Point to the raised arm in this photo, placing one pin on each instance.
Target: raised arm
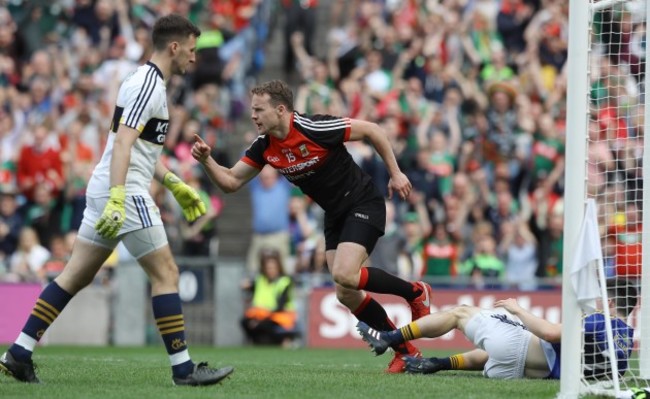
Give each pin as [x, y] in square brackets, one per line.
[398, 183]
[228, 180]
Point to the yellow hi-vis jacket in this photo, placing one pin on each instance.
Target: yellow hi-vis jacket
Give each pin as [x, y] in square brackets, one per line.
[266, 300]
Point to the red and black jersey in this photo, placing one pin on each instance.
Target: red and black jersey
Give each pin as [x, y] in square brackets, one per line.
[313, 157]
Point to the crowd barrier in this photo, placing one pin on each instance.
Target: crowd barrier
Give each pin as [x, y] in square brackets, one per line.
[120, 313]
[85, 321]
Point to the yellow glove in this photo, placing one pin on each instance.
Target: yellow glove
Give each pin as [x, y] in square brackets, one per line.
[186, 197]
[112, 219]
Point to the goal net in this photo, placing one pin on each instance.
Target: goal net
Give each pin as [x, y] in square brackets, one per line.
[605, 163]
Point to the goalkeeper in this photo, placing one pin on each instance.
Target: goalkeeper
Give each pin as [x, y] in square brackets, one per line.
[120, 208]
[523, 347]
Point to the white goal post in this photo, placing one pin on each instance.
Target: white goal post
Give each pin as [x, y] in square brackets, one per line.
[618, 204]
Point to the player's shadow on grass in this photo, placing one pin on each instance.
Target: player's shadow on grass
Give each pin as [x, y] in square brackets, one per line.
[449, 373]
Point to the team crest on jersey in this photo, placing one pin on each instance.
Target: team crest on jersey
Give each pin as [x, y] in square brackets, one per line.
[303, 150]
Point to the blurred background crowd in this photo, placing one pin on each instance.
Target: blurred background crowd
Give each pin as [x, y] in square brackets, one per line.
[470, 92]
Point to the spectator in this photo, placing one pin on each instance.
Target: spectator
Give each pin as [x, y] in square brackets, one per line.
[300, 17]
[420, 112]
[79, 107]
[271, 317]
[99, 19]
[78, 163]
[630, 156]
[465, 207]
[59, 255]
[553, 40]
[136, 38]
[209, 65]
[423, 180]
[504, 209]
[306, 242]
[38, 22]
[497, 69]
[505, 119]
[619, 37]
[12, 41]
[551, 244]
[233, 59]
[547, 151]
[26, 263]
[377, 80]
[209, 107]
[441, 162]
[440, 255]
[391, 246]
[484, 267]
[518, 247]
[317, 94]
[11, 223]
[40, 101]
[410, 264]
[270, 214]
[480, 37]
[345, 49]
[512, 20]
[114, 69]
[44, 214]
[11, 127]
[626, 236]
[183, 146]
[39, 164]
[416, 226]
[199, 236]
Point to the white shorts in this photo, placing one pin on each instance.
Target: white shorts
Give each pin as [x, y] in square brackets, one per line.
[142, 232]
[504, 339]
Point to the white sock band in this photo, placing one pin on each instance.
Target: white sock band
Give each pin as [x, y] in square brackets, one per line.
[26, 342]
[179, 358]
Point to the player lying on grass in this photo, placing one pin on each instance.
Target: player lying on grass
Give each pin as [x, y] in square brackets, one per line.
[507, 347]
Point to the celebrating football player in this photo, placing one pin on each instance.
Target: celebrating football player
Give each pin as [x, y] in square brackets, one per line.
[310, 152]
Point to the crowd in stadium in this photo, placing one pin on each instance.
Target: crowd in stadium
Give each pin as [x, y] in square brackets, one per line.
[470, 92]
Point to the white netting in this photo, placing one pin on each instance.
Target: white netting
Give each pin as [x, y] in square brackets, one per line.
[614, 177]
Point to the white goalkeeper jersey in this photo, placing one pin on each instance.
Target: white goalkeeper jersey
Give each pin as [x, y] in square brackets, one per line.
[142, 105]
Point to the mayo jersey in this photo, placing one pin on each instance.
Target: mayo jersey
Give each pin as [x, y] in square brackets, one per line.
[142, 105]
[314, 158]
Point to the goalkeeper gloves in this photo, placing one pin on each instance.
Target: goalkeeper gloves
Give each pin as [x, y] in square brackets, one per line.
[186, 197]
[112, 219]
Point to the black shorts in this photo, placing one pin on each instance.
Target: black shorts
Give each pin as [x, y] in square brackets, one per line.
[362, 224]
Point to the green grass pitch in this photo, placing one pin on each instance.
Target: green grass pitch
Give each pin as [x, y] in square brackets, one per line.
[107, 372]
